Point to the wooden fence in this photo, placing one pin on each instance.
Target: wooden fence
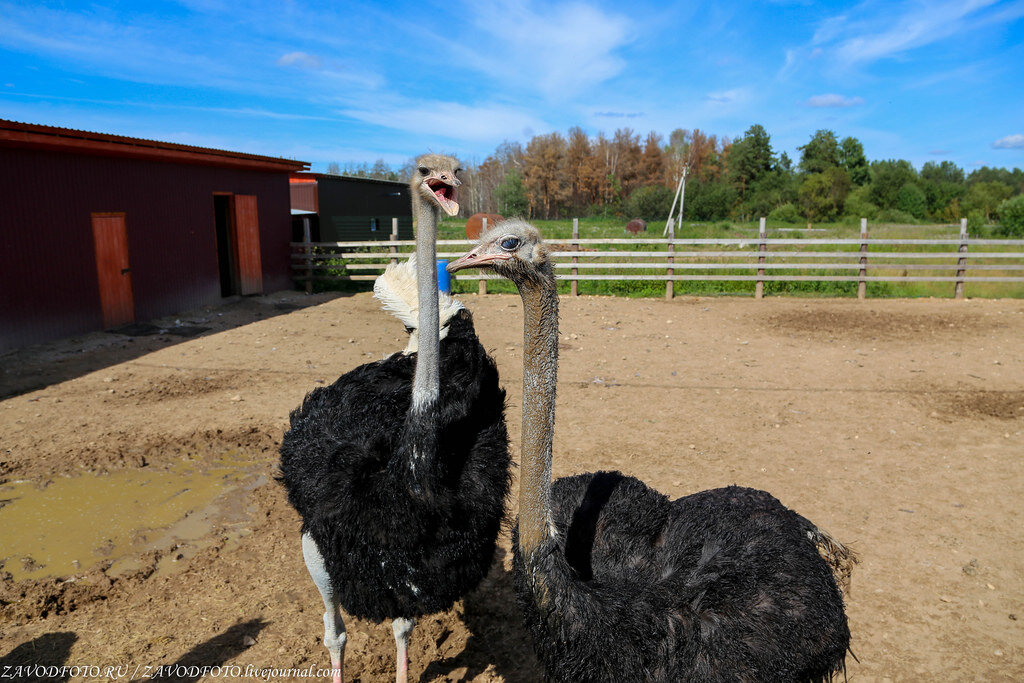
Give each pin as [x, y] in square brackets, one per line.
[759, 260]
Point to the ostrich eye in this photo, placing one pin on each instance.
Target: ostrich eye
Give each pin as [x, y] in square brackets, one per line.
[424, 170]
[510, 243]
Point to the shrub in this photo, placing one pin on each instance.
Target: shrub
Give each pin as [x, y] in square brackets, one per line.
[709, 201]
[651, 202]
[1011, 217]
[911, 199]
[975, 221]
[787, 213]
[822, 194]
[859, 205]
[895, 216]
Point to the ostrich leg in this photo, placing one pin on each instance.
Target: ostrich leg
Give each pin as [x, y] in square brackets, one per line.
[334, 625]
[402, 629]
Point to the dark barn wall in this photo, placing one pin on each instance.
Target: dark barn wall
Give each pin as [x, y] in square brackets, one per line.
[347, 205]
[48, 282]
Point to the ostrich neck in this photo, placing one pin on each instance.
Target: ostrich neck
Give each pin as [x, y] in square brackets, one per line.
[426, 382]
[540, 370]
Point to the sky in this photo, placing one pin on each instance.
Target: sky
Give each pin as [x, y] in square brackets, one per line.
[352, 82]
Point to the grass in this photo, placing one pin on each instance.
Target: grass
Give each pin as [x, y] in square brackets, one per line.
[604, 227]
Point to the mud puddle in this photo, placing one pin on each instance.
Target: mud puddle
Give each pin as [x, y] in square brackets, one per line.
[75, 523]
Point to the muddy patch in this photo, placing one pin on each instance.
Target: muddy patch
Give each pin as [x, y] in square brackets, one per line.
[1004, 405]
[74, 523]
[874, 325]
[178, 385]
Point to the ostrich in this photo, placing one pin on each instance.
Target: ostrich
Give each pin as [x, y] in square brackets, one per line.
[618, 583]
[399, 469]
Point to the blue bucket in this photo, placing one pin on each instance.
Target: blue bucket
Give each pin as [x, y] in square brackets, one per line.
[444, 279]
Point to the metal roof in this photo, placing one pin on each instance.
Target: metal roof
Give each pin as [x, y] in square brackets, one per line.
[36, 136]
[300, 177]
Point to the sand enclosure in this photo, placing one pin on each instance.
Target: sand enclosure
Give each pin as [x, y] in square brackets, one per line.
[897, 425]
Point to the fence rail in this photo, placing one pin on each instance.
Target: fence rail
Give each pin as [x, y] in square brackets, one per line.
[759, 260]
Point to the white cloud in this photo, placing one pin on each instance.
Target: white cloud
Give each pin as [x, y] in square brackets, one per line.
[452, 120]
[1009, 142]
[734, 96]
[834, 100]
[558, 50]
[872, 31]
[301, 60]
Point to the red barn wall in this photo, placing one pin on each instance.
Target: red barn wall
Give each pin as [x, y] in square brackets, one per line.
[48, 281]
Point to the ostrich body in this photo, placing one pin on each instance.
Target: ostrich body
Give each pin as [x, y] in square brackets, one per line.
[618, 583]
[399, 469]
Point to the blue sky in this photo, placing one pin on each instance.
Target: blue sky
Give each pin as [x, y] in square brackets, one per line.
[357, 81]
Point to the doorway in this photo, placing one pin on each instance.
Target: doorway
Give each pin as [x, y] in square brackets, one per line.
[225, 248]
[114, 274]
[238, 244]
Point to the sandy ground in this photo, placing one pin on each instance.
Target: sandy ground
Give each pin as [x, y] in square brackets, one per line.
[897, 425]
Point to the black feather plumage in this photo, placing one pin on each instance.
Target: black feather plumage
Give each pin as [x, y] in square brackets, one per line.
[721, 585]
[400, 540]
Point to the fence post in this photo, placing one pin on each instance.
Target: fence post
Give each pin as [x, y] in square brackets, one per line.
[961, 262]
[307, 238]
[573, 286]
[394, 238]
[670, 285]
[481, 287]
[862, 285]
[761, 246]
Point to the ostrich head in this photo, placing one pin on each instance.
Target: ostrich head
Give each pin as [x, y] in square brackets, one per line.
[435, 181]
[514, 249]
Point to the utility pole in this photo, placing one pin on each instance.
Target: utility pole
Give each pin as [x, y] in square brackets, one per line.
[679, 198]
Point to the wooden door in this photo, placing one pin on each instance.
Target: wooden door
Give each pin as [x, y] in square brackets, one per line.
[247, 244]
[110, 235]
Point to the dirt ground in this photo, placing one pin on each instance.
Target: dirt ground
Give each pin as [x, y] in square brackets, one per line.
[896, 425]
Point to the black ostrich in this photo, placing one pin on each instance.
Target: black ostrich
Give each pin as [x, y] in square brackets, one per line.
[617, 583]
[399, 469]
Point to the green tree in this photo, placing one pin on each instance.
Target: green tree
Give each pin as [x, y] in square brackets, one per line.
[944, 172]
[820, 154]
[785, 163]
[1011, 217]
[887, 178]
[822, 194]
[511, 196]
[985, 196]
[709, 200]
[1013, 179]
[749, 158]
[858, 204]
[911, 199]
[651, 202]
[851, 157]
[770, 190]
[943, 184]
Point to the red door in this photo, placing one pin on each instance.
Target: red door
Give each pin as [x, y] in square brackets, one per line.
[247, 243]
[110, 236]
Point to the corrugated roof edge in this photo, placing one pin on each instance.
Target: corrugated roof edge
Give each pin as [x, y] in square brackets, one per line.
[18, 134]
[338, 176]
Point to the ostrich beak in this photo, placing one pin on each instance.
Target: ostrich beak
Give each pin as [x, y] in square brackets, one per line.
[444, 192]
[477, 258]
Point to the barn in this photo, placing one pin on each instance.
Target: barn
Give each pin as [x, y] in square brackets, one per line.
[338, 208]
[98, 230]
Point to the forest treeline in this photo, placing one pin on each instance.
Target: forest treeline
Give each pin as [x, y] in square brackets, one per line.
[557, 176]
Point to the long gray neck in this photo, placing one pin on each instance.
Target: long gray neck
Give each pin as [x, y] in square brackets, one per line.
[426, 383]
[540, 374]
